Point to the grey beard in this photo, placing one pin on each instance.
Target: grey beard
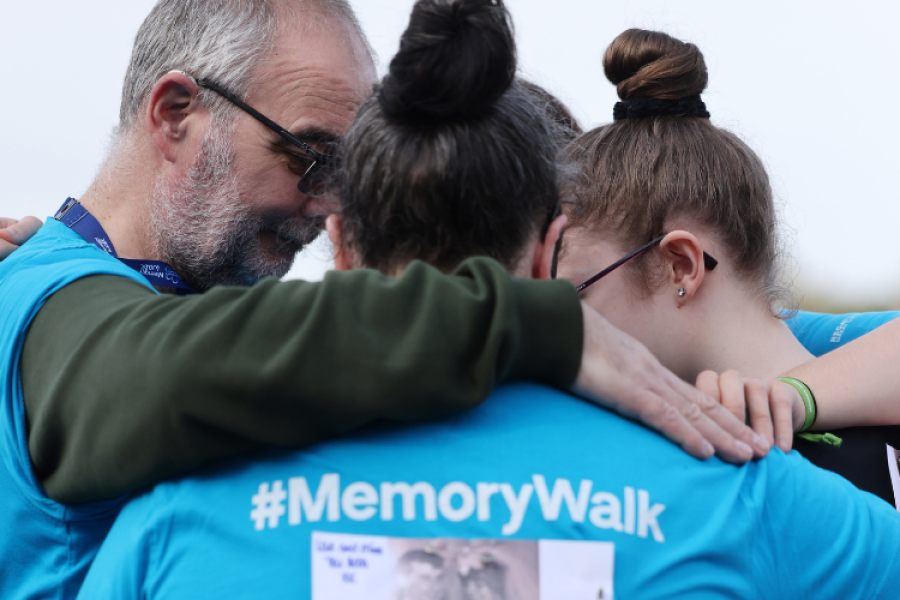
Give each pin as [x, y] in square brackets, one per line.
[210, 237]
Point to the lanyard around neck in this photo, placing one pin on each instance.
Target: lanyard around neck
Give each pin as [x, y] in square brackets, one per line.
[77, 218]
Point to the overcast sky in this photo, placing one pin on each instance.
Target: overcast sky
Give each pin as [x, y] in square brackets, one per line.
[811, 86]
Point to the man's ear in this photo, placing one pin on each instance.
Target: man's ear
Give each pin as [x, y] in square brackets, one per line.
[172, 110]
[546, 248]
[344, 257]
[683, 255]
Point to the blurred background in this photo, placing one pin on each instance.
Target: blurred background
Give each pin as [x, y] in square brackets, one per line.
[811, 86]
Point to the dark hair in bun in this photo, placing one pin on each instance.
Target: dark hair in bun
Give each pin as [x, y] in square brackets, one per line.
[651, 64]
[638, 174]
[456, 58]
[452, 158]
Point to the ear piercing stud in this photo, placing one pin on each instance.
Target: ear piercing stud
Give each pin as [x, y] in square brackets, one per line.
[682, 291]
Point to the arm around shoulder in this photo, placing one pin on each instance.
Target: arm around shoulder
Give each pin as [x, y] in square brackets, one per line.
[130, 387]
[856, 384]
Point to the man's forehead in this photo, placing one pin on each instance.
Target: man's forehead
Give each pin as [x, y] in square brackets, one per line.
[315, 77]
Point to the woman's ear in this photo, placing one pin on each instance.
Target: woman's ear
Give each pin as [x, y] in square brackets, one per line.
[171, 110]
[546, 248]
[683, 256]
[344, 257]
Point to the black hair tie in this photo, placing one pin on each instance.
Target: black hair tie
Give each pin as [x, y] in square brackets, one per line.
[689, 106]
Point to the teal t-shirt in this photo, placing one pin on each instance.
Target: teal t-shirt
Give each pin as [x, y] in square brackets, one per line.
[821, 333]
[534, 494]
[45, 547]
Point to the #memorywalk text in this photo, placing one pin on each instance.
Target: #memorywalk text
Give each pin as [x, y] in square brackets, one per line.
[630, 512]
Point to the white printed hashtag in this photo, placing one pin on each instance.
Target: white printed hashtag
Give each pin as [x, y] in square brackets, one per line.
[268, 506]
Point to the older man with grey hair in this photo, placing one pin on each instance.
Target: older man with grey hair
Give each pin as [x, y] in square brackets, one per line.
[108, 386]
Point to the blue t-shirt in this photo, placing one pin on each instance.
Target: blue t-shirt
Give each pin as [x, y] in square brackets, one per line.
[45, 547]
[533, 494]
[821, 333]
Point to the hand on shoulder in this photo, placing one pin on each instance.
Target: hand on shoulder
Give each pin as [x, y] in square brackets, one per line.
[618, 372]
[773, 408]
[14, 233]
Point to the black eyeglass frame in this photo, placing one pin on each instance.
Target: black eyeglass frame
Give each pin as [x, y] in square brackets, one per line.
[325, 162]
[709, 262]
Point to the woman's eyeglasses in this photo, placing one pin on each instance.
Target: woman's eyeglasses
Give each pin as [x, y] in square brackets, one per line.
[708, 261]
[317, 168]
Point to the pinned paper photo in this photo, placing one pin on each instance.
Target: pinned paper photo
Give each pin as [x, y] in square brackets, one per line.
[354, 567]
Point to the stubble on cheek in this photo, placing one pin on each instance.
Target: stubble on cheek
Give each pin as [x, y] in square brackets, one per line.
[207, 231]
[277, 243]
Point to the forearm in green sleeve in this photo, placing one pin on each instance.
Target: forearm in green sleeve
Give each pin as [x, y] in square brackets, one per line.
[123, 387]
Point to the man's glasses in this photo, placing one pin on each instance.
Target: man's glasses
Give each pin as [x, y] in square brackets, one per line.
[317, 168]
[708, 261]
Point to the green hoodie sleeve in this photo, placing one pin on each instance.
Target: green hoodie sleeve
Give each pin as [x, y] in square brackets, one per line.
[124, 387]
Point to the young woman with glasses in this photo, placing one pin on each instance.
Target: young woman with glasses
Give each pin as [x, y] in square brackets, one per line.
[682, 212]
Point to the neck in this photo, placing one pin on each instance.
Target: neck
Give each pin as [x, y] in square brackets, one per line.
[119, 199]
[757, 347]
[741, 333]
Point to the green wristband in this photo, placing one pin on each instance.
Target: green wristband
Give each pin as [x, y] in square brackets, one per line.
[809, 401]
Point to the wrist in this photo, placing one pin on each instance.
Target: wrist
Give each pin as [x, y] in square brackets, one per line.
[804, 412]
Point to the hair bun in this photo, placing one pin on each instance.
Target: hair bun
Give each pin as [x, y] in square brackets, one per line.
[652, 64]
[456, 58]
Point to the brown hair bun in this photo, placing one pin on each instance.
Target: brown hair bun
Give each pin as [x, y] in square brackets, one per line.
[652, 64]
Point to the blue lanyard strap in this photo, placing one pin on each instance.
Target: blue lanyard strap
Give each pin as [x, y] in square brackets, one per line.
[77, 218]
